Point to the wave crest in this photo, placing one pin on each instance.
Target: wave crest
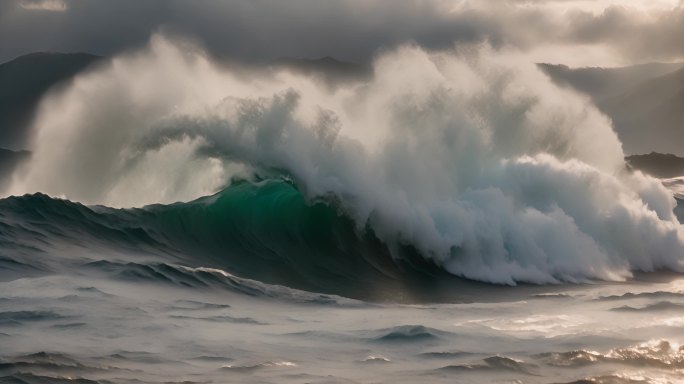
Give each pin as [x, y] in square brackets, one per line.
[474, 158]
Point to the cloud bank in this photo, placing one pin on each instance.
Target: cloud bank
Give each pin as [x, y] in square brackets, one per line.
[571, 32]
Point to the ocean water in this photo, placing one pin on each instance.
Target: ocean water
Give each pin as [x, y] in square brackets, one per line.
[457, 217]
[94, 294]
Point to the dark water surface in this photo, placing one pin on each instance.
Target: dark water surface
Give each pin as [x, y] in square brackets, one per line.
[255, 285]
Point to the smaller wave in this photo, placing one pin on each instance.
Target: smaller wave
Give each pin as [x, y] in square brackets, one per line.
[29, 378]
[197, 305]
[223, 319]
[27, 368]
[409, 333]
[575, 358]
[655, 307]
[201, 277]
[324, 335]
[611, 379]
[68, 326]
[10, 266]
[253, 367]
[554, 296]
[679, 208]
[93, 291]
[212, 359]
[658, 353]
[372, 359]
[39, 221]
[20, 317]
[495, 363]
[444, 355]
[643, 295]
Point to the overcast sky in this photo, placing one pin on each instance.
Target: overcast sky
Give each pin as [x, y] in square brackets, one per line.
[574, 32]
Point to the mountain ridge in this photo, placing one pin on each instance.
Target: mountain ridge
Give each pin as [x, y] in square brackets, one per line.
[661, 165]
[602, 82]
[24, 80]
[646, 108]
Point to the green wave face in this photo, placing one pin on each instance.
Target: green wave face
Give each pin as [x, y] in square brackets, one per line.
[268, 231]
[265, 231]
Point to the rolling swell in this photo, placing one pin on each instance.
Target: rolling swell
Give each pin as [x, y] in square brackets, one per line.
[264, 231]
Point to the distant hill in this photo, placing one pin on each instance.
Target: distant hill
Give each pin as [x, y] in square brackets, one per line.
[650, 115]
[328, 68]
[645, 102]
[23, 81]
[600, 83]
[657, 164]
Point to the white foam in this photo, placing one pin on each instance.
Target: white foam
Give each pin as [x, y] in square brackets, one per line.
[474, 157]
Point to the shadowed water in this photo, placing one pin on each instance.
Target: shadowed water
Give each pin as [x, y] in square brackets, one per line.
[81, 303]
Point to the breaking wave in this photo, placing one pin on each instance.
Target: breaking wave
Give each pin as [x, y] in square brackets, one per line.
[471, 162]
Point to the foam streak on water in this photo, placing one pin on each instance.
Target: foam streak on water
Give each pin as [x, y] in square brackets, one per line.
[64, 327]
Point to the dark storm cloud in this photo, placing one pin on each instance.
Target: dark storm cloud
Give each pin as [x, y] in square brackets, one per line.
[347, 29]
[100, 27]
[254, 29]
[656, 35]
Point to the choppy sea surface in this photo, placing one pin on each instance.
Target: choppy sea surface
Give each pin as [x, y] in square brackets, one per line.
[213, 291]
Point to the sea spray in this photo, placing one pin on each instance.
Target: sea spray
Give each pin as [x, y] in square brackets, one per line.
[473, 157]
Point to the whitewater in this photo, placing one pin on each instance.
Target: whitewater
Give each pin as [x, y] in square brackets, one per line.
[455, 217]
